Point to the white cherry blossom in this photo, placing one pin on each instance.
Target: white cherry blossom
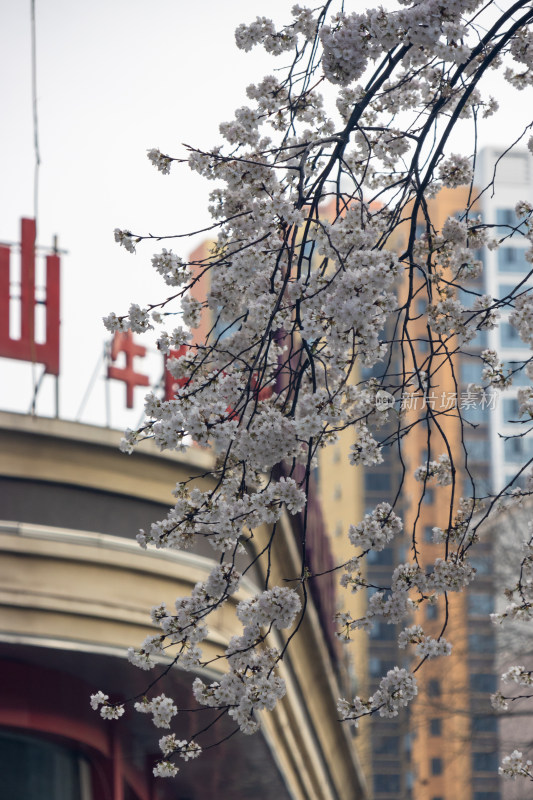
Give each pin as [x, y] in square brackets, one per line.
[324, 246]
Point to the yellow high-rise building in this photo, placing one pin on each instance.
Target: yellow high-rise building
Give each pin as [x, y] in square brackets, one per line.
[444, 747]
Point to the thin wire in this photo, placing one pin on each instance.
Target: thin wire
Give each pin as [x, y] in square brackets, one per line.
[102, 358]
[35, 117]
[36, 384]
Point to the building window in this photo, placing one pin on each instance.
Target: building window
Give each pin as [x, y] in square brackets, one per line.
[308, 248]
[223, 328]
[467, 297]
[480, 603]
[382, 632]
[435, 726]
[386, 745]
[519, 376]
[471, 371]
[485, 724]
[482, 483]
[509, 336]
[480, 339]
[487, 796]
[377, 481]
[475, 413]
[510, 408]
[35, 769]
[506, 289]
[428, 533]
[421, 306]
[481, 643]
[477, 446]
[432, 611]
[429, 495]
[387, 784]
[482, 565]
[436, 766]
[506, 218]
[518, 449]
[483, 682]
[381, 558]
[434, 688]
[513, 259]
[485, 762]
[518, 481]
[377, 666]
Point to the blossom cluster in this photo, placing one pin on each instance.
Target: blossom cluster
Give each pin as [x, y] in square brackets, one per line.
[441, 470]
[174, 271]
[396, 689]
[522, 317]
[251, 684]
[516, 765]
[108, 710]
[162, 709]
[216, 516]
[521, 594]
[159, 160]
[377, 529]
[426, 646]
[493, 371]
[187, 627]
[305, 295]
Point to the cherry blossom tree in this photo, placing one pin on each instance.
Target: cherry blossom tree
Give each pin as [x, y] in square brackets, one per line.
[323, 241]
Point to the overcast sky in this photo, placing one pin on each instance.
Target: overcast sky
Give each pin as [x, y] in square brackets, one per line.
[114, 78]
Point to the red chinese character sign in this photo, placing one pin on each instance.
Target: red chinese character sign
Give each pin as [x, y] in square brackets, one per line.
[123, 343]
[26, 348]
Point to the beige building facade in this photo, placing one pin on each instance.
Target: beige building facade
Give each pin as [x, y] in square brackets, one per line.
[76, 592]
